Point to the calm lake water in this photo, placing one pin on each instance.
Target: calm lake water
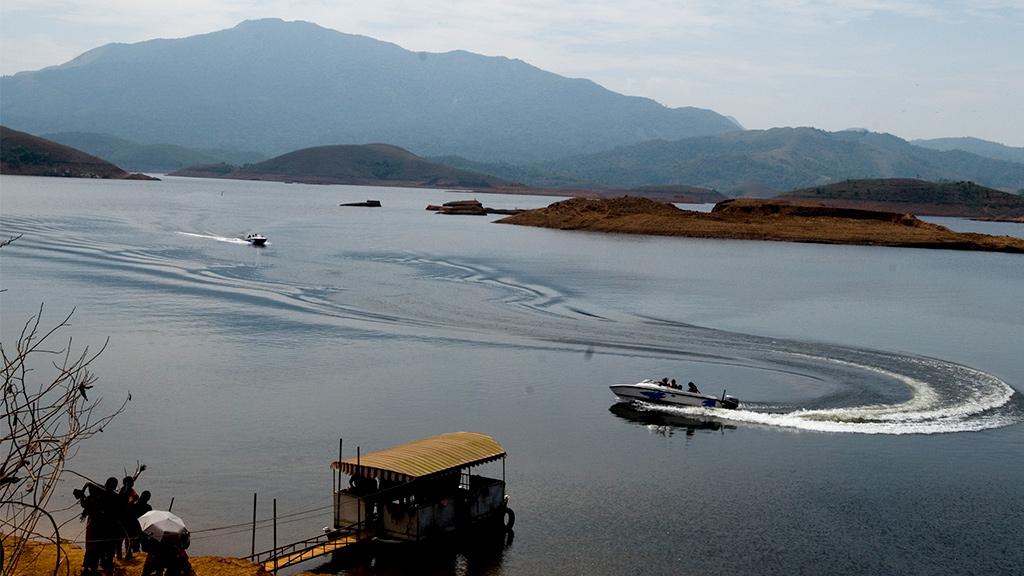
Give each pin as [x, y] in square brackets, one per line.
[880, 431]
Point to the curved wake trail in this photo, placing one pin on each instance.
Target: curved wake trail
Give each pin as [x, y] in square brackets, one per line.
[945, 397]
[879, 392]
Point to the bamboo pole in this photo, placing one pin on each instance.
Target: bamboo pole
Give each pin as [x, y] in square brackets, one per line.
[254, 524]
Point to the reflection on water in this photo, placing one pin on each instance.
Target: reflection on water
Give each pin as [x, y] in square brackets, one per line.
[667, 423]
[466, 553]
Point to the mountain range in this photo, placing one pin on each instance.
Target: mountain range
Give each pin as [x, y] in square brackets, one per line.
[273, 86]
[761, 163]
[906, 195]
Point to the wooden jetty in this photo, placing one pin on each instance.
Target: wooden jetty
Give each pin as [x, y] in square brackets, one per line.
[316, 550]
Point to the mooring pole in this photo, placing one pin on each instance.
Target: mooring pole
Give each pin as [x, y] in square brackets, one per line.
[339, 463]
[253, 523]
[275, 536]
[359, 498]
[172, 504]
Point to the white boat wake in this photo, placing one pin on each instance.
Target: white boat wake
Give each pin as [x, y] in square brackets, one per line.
[227, 239]
[973, 401]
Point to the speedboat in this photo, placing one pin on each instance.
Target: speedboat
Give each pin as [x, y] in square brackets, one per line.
[657, 392]
[256, 239]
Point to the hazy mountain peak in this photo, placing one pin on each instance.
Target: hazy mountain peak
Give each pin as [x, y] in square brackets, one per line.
[275, 86]
[259, 22]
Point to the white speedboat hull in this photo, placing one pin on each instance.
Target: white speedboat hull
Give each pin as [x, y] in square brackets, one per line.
[651, 391]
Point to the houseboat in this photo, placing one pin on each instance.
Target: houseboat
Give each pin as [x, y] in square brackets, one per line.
[422, 489]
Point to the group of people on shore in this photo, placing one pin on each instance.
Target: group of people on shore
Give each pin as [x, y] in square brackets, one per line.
[690, 387]
[112, 522]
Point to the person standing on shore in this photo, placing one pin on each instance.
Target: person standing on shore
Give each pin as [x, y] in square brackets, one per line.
[138, 508]
[126, 500]
[100, 507]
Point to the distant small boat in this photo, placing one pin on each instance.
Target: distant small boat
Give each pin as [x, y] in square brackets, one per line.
[256, 239]
[367, 204]
[654, 391]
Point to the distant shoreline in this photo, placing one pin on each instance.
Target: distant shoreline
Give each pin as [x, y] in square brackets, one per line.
[316, 180]
[679, 198]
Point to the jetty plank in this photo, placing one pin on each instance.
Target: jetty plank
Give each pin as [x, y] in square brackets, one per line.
[312, 552]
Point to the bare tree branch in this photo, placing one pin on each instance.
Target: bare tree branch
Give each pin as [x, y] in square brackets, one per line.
[47, 410]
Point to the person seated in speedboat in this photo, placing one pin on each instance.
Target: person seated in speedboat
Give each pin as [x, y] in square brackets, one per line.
[664, 382]
[691, 387]
[674, 385]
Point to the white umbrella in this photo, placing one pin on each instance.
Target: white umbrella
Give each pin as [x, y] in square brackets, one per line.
[162, 526]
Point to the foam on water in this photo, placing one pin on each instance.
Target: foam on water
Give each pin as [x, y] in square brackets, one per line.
[955, 398]
[227, 239]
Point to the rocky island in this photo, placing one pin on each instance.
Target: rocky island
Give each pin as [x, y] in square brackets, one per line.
[748, 219]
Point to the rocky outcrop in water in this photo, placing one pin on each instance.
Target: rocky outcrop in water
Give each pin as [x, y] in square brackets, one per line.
[470, 208]
[748, 219]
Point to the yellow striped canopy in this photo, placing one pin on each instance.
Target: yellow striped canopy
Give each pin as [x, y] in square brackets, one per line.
[407, 462]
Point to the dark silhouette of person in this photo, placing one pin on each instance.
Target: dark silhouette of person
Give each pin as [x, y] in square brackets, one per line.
[155, 551]
[137, 509]
[127, 523]
[167, 557]
[100, 510]
[693, 388]
[110, 525]
[131, 523]
[89, 498]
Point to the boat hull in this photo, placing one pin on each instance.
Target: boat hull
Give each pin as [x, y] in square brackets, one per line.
[658, 394]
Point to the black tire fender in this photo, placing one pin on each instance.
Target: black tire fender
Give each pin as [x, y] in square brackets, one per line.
[509, 518]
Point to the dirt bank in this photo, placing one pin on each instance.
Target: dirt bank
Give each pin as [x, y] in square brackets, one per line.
[39, 559]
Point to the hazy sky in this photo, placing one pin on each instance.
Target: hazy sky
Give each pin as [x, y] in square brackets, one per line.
[915, 68]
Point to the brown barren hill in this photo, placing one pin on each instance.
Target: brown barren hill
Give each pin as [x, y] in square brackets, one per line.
[364, 164]
[748, 219]
[23, 154]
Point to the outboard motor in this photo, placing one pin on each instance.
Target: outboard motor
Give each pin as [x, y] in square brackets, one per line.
[730, 402]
